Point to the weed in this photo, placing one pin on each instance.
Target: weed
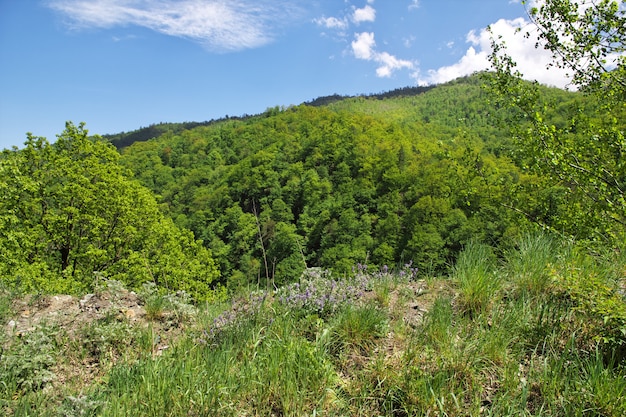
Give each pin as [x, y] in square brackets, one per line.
[528, 264]
[26, 365]
[291, 375]
[107, 339]
[5, 303]
[80, 406]
[173, 308]
[153, 302]
[437, 328]
[322, 295]
[537, 344]
[356, 329]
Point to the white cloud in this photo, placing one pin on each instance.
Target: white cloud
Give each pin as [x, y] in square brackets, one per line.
[408, 42]
[531, 61]
[390, 63]
[331, 22]
[225, 25]
[366, 14]
[415, 4]
[364, 47]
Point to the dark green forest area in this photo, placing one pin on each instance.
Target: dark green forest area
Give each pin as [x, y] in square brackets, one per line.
[362, 180]
[385, 180]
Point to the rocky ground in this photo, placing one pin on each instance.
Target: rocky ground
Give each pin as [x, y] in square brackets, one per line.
[85, 326]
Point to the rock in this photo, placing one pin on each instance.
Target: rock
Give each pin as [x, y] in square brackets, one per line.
[83, 301]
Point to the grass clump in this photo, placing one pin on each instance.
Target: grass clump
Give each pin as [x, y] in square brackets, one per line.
[356, 330]
[478, 280]
[175, 307]
[528, 265]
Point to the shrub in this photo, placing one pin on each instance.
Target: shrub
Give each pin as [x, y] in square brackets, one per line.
[597, 299]
[26, 366]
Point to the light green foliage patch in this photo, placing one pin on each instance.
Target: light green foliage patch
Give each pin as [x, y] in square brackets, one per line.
[27, 365]
[69, 213]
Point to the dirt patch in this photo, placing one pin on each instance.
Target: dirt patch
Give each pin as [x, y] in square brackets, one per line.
[72, 313]
[92, 333]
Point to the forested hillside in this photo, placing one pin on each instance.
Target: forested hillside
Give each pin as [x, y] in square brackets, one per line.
[388, 179]
[373, 180]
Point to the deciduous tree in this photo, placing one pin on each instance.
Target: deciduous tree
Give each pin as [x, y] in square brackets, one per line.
[68, 209]
[586, 152]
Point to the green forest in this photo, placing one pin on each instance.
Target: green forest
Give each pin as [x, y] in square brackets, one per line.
[501, 199]
[363, 180]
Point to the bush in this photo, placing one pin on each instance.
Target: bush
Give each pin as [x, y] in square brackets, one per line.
[26, 366]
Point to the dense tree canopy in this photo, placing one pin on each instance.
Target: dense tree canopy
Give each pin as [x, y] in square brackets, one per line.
[376, 180]
[361, 180]
[70, 213]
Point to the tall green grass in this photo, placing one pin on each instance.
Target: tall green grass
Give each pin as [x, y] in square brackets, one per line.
[477, 277]
[528, 265]
[521, 335]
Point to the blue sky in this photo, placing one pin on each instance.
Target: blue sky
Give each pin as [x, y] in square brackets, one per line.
[122, 64]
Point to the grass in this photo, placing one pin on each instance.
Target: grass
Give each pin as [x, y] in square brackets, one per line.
[509, 336]
[527, 266]
[477, 278]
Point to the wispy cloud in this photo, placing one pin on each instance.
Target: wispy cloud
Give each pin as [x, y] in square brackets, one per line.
[331, 22]
[415, 4]
[222, 25]
[364, 47]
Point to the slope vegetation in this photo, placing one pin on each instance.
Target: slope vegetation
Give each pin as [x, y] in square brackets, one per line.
[364, 179]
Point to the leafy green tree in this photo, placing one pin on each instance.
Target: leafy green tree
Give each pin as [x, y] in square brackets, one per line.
[584, 148]
[68, 210]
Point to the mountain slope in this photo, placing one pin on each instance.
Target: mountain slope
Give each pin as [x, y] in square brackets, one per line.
[362, 179]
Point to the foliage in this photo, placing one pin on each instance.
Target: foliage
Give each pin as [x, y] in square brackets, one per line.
[377, 180]
[68, 211]
[597, 297]
[582, 148]
[26, 366]
[587, 39]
